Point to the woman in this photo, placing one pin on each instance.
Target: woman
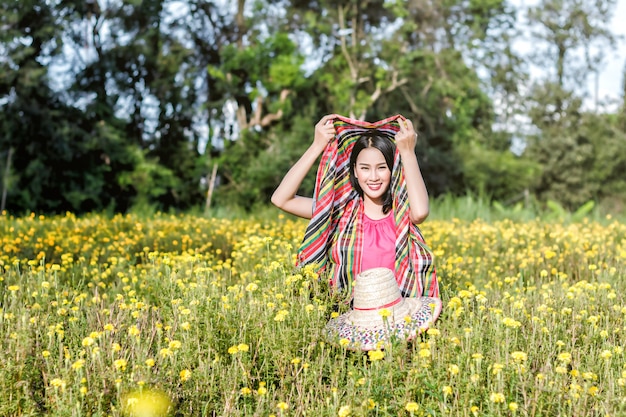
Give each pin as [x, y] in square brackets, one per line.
[363, 223]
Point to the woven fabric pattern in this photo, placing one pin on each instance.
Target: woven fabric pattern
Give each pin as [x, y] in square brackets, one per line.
[333, 240]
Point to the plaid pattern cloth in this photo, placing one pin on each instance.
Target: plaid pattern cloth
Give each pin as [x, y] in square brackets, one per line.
[333, 240]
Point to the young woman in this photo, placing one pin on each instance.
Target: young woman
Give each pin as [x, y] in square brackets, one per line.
[371, 163]
[354, 227]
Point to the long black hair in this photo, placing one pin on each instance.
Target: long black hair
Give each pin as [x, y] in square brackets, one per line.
[373, 140]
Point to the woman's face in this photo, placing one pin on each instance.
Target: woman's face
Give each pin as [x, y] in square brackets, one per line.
[372, 174]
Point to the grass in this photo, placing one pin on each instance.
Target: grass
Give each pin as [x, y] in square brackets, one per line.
[185, 315]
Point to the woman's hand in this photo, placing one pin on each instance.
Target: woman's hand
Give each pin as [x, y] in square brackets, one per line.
[324, 131]
[406, 138]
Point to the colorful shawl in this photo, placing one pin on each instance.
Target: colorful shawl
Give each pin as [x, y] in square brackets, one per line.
[333, 240]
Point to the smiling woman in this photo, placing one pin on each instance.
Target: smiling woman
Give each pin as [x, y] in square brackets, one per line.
[369, 198]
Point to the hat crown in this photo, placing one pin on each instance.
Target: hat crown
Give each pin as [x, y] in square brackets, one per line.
[374, 289]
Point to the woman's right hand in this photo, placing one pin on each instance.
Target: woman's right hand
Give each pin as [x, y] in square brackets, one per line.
[324, 131]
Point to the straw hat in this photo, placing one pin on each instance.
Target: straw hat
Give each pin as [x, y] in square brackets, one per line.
[365, 327]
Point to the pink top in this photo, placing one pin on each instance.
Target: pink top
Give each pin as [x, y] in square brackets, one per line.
[379, 243]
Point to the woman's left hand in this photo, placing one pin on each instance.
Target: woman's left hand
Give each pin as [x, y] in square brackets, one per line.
[406, 137]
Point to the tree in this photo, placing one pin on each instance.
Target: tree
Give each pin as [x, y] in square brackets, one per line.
[570, 29]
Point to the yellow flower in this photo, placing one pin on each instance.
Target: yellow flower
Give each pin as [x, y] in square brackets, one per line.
[513, 407]
[149, 362]
[375, 355]
[45, 353]
[606, 354]
[120, 364]
[262, 390]
[512, 323]
[78, 364]
[344, 342]
[344, 411]
[280, 316]
[496, 368]
[447, 390]
[497, 397]
[384, 312]
[411, 407]
[565, 357]
[88, 341]
[424, 353]
[245, 391]
[165, 352]
[519, 356]
[433, 332]
[13, 288]
[175, 344]
[133, 331]
[57, 383]
[453, 369]
[233, 349]
[282, 406]
[185, 374]
[243, 347]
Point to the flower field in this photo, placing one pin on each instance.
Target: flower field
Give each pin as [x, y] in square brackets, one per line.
[183, 315]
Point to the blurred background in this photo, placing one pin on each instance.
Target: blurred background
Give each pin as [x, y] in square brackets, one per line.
[113, 106]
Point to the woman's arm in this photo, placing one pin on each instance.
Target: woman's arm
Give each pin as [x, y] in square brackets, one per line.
[416, 189]
[284, 196]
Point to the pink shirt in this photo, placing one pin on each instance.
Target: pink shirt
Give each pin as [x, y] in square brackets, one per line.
[379, 243]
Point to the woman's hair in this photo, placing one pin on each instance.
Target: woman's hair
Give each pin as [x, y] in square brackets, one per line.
[373, 140]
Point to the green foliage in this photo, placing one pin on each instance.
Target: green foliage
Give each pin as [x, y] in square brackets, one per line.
[112, 107]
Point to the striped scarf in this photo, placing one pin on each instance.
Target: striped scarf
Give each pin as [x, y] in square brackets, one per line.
[333, 240]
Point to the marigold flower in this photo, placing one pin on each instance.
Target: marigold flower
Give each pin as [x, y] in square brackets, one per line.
[185, 374]
[497, 397]
[78, 364]
[88, 341]
[565, 357]
[453, 369]
[376, 355]
[433, 332]
[120, 364]
[411, 407]
[57, 383]
[344, 411]
[606, 354]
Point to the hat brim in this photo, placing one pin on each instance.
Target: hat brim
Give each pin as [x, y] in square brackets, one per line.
[366, 330]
